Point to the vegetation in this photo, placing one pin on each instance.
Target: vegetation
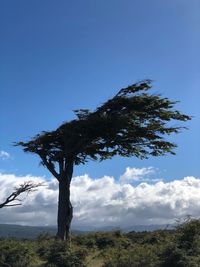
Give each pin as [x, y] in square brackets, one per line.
[162, 248]
[132, 123]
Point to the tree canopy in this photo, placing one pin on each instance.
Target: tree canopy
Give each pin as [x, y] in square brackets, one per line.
[132, 123]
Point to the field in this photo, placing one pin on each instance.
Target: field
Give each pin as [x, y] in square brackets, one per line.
[163, 248]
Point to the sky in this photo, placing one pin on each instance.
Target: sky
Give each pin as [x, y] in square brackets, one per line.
[58, 56]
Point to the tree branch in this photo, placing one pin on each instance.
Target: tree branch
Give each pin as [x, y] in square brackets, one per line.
[26, 187]
[50, 167]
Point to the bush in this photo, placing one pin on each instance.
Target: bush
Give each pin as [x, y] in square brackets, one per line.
[185, 250]
[164, 248]
[16, 254]
[136, 256]
[43, 245]
[60, 255]
[105, 241]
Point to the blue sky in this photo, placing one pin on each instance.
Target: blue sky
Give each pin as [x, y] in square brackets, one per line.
[57, 56]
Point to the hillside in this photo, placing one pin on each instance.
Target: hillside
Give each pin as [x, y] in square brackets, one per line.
[20, 232]
[31, 232]
[28, 232]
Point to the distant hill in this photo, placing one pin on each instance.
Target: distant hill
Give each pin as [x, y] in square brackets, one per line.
[21, 232]
[31, 232]
[138, 228]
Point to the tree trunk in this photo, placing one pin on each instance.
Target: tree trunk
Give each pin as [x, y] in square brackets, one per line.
[65, 209]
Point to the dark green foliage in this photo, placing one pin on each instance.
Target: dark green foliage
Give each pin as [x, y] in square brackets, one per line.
[87, 241]
[60, 255]
[188, 236]
[105, 241]
[133, 123]
[154, 237]
[135, 256]
[102, 240]
[185, 249]
[16, 254]
[43, 244]
[164, 248]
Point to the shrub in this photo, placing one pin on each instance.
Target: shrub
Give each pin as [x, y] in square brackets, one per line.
[61, 255]
[16, 254]
[184, 251]
[137, 256]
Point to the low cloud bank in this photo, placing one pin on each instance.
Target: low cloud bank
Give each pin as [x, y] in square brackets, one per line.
[105, 201]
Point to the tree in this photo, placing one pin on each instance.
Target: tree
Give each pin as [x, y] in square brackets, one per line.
[26, 187]
[132, 123]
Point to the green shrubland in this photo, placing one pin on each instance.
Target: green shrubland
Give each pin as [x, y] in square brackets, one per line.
[163, 248]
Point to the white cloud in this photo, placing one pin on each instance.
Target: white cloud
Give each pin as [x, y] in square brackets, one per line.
[138, 174]
[105, 202]
[4, 155]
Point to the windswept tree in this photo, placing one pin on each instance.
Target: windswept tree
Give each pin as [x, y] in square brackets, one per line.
[132, 123]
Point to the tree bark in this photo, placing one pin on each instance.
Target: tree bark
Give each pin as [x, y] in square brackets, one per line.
[65, 209]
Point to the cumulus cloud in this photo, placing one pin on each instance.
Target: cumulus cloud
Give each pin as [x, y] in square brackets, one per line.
[138, 174]
[105, 202]
[4, 155]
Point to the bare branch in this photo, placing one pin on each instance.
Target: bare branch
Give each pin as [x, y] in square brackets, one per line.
[26, 187]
